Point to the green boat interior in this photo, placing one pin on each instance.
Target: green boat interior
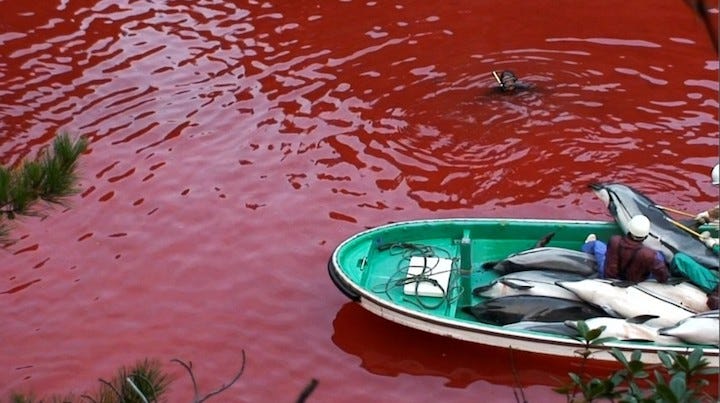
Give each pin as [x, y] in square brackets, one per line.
[437, 275]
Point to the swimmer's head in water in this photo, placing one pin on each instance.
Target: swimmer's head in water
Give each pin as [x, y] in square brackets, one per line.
[507, 80]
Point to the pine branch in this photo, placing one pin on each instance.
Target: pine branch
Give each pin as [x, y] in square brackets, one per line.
[51, 178]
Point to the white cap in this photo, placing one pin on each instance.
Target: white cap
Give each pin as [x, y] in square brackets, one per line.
[639, 226]
[715, 175]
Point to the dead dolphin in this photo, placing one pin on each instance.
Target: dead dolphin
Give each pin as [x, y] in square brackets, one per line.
[678, 290]
[628, 329]
[556, 328]
[624, 300]
[505, 310]
[624, 202]
[702, 328]
[547, 258]
[530, 282]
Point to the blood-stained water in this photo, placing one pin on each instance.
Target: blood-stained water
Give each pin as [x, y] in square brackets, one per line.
[234, 144]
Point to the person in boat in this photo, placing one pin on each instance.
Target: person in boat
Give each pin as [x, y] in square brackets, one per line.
[703, 277]
[626, 257]
[598, 249]
[685, 266]
[712, 214]
[707, 280]
[508, 82]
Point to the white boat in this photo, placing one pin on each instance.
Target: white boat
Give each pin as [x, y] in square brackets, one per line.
[422, 274]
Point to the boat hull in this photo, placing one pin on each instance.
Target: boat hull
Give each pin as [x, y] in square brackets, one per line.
[370, 268]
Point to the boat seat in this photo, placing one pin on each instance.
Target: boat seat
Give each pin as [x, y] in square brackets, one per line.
[428, 276]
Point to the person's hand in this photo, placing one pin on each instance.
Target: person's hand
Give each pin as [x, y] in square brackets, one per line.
[703, 218]
[712, 301]
[708, 240]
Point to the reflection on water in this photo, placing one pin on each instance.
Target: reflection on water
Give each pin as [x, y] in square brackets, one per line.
[389, 349]
[231, 137]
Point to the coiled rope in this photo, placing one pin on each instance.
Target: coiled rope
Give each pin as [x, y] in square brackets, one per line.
[400, 277]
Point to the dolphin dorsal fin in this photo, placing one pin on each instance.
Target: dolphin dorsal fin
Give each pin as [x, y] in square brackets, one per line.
[515, 284]
[675, 280]
[641, 318]
[489, 265]
[479, 290]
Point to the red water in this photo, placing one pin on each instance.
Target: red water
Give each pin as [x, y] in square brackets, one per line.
[235, 144]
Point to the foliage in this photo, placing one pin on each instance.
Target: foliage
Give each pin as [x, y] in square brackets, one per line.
[678, 379]
[51, 178]
[143, 383]
[146, 383]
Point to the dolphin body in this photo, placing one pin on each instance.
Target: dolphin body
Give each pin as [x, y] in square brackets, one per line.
[619, 299]
[628, 329]
[505, 310]
[632, 329]
[624, 202]
[547, 258]
[678, 290]
[698, 329]
[530, 282]
[556, 328]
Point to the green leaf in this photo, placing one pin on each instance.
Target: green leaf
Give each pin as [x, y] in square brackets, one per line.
[659, 378]
[678, 384]
[594, 333]
[666, 358]
[603, 340]
[636, 366]
[582, 329]
[695, 358]
[575, 378]
[664, 394]
[597, 388]
[619, 356]
[618, 377]
[635, 390]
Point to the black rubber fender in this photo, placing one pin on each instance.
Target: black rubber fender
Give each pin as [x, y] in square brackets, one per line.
[340, 284]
